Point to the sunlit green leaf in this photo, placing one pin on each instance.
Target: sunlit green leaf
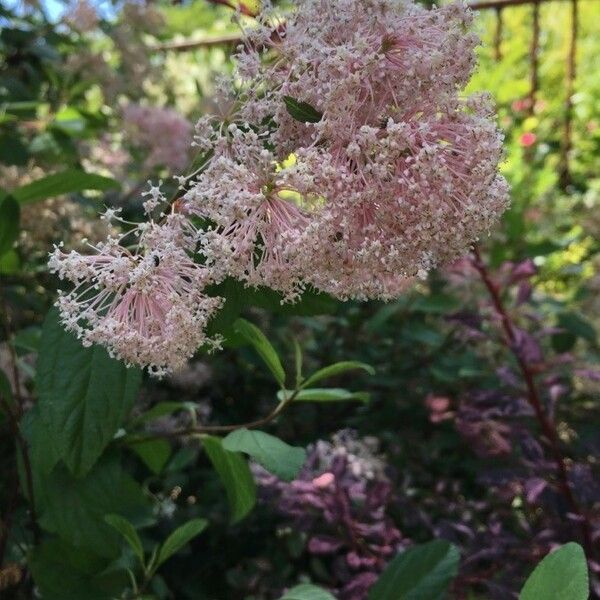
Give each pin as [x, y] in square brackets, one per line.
[254, 336]
[65, 182]
[324, 395]
[562, 574]
[307, 591]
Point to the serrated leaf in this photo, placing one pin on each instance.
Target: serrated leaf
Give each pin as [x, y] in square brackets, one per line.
[337, 369]
[325, 395]
[65, 572]
[42, 451]
[422, 572]
[235, 476]
[74, 508]
[9, 223]
[302, 111]
[307, 591]
[84, 395]
[127, 530]
[65, 182]
[179, 538]
[273, 454]
[561, 574]
[254, 336]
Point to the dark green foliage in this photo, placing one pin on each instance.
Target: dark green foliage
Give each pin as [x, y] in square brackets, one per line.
[84, 395]
[420, 573]
[302, 111]
[270, 452]
[235, 476]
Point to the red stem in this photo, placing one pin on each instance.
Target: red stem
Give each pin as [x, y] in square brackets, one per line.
[535, 401]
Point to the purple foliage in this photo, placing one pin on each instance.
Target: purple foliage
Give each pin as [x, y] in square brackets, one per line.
[526, 498]
[339, 501]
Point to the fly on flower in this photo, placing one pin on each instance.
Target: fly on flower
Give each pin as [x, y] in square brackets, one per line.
[146, 304]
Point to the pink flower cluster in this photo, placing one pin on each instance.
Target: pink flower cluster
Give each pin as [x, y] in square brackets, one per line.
[163, 132]
[348, 160]
[392, 172]
[140, 295]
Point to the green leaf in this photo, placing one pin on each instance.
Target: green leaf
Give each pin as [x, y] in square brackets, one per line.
[127, 530]
[28, 339]
[9, 263]
[423, 334]
[235, 475]
[436, 304]
[179, 538]
[74, 508]
[273, 454]
[165, 408]
[253, 335]
[66, 182]
[84, 395]
[155, 454]
[65, 572]
[325, 395]
[298, 361]
[562, 574]
[9, 223]
[422, 572]
[337, 369]
[239, 296]
[307, 591]
[302, 111]
[577, 325]
[42, 449]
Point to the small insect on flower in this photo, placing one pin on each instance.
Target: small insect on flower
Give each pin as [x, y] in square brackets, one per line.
[147, 306]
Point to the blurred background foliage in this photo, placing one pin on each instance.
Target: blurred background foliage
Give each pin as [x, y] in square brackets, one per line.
[94, 102]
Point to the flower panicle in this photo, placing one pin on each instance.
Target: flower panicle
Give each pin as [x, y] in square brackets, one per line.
[346, 159]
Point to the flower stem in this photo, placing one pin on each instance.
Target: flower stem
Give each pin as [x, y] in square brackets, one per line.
[533, 397]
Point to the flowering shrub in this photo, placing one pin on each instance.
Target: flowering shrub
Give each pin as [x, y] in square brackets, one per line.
[369, 380]
[338, 504]
[417, 178]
